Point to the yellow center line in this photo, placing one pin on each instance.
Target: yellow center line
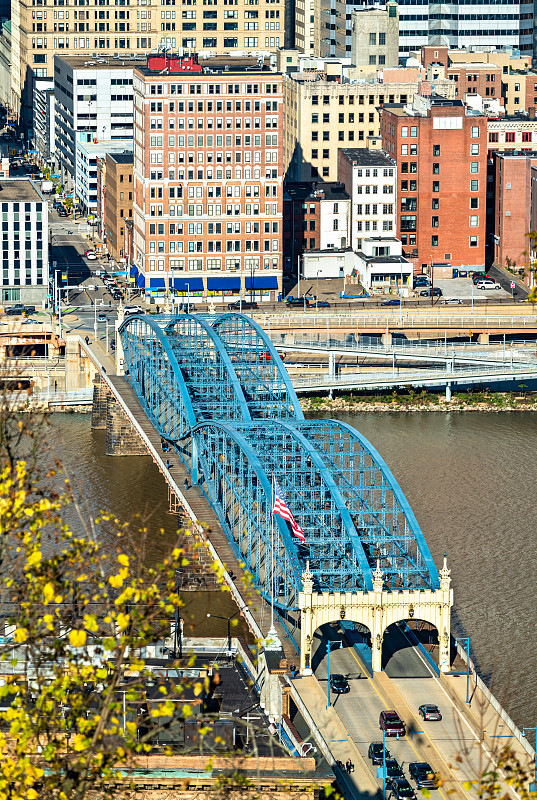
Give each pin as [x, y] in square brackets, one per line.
[406, 737]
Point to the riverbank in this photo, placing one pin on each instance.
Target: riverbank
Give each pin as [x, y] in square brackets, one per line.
[492, 402]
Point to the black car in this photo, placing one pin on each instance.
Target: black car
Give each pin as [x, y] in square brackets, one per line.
[376, 754]
[321, 304]
[339, 684]
[423, 774]
[393, 771]
[246, 305]
[394, 302]
[400, 789]
[431, 291]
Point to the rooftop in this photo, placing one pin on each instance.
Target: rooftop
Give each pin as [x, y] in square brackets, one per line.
[227, 65]
[121, 158]
[19, 189]
[101, 146]
[316, 191]
[367, 158]
[103, 62]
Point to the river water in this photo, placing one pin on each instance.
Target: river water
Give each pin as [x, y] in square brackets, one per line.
[470, 479]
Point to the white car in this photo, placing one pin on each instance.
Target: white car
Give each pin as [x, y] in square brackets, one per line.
[133, 310]
[487, 285]
[91, 256]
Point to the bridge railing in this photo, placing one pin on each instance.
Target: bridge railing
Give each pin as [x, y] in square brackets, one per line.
[394, 321]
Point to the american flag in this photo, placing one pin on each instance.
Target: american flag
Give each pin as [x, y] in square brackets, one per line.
[282, 509]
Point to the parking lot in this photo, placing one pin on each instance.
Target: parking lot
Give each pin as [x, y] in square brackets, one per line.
[463, 289]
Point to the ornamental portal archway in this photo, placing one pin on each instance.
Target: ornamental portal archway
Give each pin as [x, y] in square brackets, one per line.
[376, 610]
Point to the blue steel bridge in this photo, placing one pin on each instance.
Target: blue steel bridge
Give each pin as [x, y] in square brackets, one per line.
[216, 389]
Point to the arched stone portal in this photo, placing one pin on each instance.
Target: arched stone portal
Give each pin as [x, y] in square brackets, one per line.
[377, 610]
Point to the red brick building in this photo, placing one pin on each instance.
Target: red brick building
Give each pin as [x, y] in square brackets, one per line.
[208, 180]
[512, 207]
[441, 156]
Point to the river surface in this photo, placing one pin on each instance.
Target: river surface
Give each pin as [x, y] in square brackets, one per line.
[470, 479]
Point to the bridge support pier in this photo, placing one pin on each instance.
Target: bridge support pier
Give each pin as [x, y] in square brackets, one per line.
[448, 392]
[331, 365]
[98, 408]
[386, 339]
[483, 338]
[121, 438]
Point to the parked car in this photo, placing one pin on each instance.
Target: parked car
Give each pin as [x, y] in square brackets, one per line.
[133, 310]
[487, 284]
[321, 304]
[431, 291]
[421, 280]
[430, 712]
[479, 276]
[101, 317]
[246, 305]
[292, 302]
[423, 774]
[62, 212]
[91, 255]
[339, 684]
[376, 753]
[395, 302]
[452, 301]
[400, 789]
[390, 722]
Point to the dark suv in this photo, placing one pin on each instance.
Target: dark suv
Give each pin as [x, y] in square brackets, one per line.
[434, 292]
[423, 774]
[390, 722]
[249, 305]
[297, 301]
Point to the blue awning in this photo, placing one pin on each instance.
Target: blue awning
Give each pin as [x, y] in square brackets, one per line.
[223, 284]
[188, 284]
[156, 283]
[263, 282]
[140, 281]
[133, 271]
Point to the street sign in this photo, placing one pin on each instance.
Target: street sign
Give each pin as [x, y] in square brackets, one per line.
[513, 285]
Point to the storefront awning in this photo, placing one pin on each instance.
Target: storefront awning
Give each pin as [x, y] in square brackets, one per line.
[156, 283]
[133, 271]
[140, 281]
[263, 282]
[188, 284]
[223, 284]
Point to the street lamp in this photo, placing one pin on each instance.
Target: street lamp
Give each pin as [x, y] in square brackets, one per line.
[329, 645]
[465, 641]
[228, 620]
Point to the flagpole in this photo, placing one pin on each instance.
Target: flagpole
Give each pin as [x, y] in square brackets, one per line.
[272, 558]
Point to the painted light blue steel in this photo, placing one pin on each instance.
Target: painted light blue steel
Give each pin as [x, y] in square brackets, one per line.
[237, 388]
[339, 488]
[228, 323]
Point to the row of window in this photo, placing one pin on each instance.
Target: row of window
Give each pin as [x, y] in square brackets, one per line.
[368, 209]
[231, 264]
[373, 99]
[231, 246]
[231, 209]
[367, 225]
[494, 136]
[341, 118]
[210, 106]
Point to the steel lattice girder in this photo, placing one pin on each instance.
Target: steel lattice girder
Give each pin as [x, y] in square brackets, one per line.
[340, 490]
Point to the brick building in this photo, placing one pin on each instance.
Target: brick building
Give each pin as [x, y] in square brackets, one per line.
[208, 180]
[511, 132]
[441, 172]
[512, 206]
[315, 217]
[119, 198]
[482, 79]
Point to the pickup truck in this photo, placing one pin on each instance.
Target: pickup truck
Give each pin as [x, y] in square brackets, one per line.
[18, 308]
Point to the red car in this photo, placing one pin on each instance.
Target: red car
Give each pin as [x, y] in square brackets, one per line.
[390, 722]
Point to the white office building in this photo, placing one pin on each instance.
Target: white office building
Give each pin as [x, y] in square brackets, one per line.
[93, 96]
[43, 117]
[24, 242]
[86, 155]
[370, 177]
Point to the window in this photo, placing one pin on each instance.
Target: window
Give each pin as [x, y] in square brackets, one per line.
[475, 150]
[413, 131]
[436, 149]
[475, 132]
[436, 186]
[404, 149]
[526, 136]
[382, 39]
[474, 186]
[404, 131]
[434, 241]
[435, 205]
[474, 166]
[434, 222]
[474, 222]
[473, 241]
[372, 38]
[436, 168]
[474, 202]
[493, 136]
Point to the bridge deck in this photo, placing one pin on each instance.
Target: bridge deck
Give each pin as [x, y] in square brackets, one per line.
[200, 510]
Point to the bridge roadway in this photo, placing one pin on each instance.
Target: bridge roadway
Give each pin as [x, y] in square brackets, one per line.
[346, 729]
[460, 747]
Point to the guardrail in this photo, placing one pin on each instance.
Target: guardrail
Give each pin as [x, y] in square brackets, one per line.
[75, 397]
[391, 322]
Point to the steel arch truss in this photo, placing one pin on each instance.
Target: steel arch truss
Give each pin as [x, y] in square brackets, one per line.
[210, 383]
[385, 522]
